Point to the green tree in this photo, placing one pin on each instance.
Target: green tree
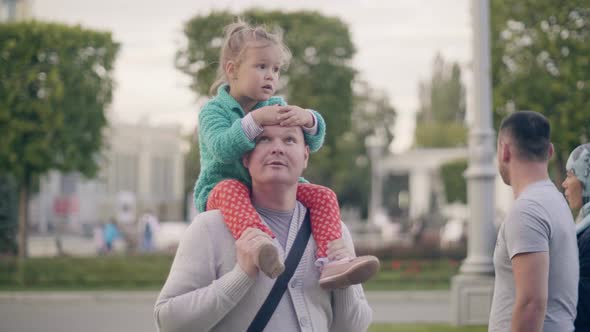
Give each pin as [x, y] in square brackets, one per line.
[540, 62]
[55, 82]
[441, 114]
[454, 181]
[192, 166]
[372, 115]
[319, 77]
[440, 122]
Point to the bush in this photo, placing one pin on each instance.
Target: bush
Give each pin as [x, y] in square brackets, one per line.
[113, 272]
[454, 182]
[412, 274]
[149, 272]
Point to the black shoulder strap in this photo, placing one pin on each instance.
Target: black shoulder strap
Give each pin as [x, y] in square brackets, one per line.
[277, 291]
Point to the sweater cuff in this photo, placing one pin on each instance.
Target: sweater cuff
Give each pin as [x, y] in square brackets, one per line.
[349, 297]
[250, 127]
[235, 283]
[313, 130]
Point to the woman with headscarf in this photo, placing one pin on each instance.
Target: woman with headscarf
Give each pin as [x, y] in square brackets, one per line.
[577, 193]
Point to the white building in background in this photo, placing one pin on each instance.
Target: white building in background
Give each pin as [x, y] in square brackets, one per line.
[425, 189]
[413, 186]
[140, 160]
[15, 10]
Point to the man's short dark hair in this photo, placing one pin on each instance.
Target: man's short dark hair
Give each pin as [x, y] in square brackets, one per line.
[531, 133]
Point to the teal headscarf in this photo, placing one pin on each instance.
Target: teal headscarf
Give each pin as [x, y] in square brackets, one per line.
[579, 163]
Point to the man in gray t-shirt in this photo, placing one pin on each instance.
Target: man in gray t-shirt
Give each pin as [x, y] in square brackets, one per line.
[536, 256]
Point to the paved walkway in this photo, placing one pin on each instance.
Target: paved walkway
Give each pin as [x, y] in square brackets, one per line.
[410, 306]
[133, 311]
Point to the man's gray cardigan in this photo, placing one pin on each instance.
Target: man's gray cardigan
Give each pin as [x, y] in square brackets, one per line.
[206, 289]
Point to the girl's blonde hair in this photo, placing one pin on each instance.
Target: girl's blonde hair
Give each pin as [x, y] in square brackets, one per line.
[237, 37]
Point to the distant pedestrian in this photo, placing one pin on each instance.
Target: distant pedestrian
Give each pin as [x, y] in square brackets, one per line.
[577, 193]
[98, 236]
[148, 227]
[536, 257]
[126, 218]
[111, 233]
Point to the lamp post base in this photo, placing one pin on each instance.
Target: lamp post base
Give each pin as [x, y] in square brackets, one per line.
[471, 299]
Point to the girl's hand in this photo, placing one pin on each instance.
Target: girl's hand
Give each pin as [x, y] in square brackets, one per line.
[268, 115]
[295, 116]
[338, 249]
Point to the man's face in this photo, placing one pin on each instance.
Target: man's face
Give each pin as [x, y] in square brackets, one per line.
[280, 156]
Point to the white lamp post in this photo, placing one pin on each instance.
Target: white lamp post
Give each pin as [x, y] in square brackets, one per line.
[472, 289]
[375, 144]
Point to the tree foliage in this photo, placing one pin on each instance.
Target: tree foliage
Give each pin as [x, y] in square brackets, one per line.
[440, 120]
[372, 116]
[55, 83]
[540, 62]
[192, 165]
[319, 77]
[454, 181]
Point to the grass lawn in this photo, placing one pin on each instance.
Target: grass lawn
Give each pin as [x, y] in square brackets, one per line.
[148, 272]
[414, 274]
[117, 272]
[424, 328]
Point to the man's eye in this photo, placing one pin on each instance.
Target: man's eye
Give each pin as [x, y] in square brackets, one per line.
[290, 140]
[262, 66]
[263, 139]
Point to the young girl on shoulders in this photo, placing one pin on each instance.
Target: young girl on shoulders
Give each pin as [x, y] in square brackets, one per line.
[250, 63]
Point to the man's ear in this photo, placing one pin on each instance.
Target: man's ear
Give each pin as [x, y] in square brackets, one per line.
[306, 156]
[246, 160]
[506, 153]
[551, 151]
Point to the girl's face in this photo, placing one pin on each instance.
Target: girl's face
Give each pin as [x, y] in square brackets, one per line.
[573, 190]
[256, 77]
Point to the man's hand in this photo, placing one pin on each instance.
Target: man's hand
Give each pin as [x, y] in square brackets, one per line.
[246, 247]
[268, 115]
[338, 249]
[295, 116]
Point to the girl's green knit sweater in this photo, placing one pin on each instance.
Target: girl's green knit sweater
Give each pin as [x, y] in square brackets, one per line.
[222, 142]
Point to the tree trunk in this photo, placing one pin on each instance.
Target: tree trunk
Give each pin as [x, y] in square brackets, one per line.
[23, 199]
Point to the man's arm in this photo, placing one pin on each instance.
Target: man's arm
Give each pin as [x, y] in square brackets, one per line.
[531, 278]
[350, 307]
[193, 298]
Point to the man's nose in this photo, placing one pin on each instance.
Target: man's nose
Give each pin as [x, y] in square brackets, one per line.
[277, 148]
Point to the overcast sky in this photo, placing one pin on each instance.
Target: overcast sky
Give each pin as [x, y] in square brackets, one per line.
[396, 42]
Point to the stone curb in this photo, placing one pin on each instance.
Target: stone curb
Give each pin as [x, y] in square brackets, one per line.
[404, 296]
[150, 296]
[97, 296]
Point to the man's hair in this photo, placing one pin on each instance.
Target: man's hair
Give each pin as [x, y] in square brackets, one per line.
[531, 134]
